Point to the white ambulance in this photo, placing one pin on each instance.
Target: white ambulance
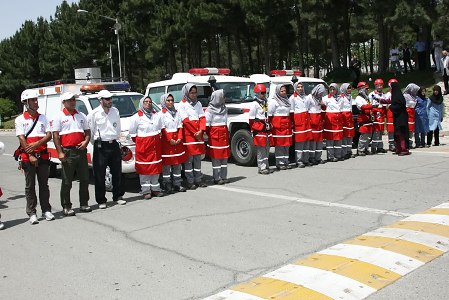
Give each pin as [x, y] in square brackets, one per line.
[238, 92]
[126, 102]
[286, 77]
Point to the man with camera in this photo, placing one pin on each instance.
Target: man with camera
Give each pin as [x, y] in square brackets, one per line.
[104, 124]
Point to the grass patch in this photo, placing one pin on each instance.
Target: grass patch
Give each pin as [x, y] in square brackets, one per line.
[8, 124]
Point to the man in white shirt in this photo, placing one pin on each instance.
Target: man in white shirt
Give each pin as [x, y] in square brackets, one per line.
[104, 123]
[394, 60]
[437, 46]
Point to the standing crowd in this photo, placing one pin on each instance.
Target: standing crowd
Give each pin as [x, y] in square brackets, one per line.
[173, 138]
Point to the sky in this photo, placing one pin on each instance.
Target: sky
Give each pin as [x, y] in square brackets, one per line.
[16, 12]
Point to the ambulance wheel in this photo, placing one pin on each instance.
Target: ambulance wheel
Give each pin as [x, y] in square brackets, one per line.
[52, 171]
[242, 148]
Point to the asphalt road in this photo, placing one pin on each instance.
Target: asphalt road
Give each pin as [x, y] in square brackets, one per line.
[193, 245]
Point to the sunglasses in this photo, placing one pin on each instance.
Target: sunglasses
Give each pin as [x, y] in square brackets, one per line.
[107, 99]
[263, 93]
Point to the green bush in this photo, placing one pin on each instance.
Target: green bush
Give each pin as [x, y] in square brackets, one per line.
[7, 108]
[342, 74]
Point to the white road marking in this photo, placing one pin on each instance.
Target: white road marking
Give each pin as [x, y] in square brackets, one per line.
[314, 202]
[398, 263]
[232, 295]
[423, 238]
[444, 205]
[325, 282]
[429, 218]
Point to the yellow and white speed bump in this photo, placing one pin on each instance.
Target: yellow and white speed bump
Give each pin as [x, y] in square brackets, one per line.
[356, 268]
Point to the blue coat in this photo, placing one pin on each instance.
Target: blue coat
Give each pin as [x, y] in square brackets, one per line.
[435, 113]
[421, 119]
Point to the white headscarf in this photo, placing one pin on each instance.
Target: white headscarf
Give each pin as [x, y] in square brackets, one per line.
[344, 90]
[295, 86]
[217, 103]
[412, 89]
[282, 101]
[318, 92]
[163, 102]
[185, 91]
[148, 112]
[337, 89]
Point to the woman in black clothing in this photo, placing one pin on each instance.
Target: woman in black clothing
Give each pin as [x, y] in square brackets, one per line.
[435, 113]
[400, 120]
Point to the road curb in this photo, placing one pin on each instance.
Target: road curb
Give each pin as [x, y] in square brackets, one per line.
[356, 268]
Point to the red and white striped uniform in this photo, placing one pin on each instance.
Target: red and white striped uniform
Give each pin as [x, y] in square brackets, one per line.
[257, 122]
[333, 122]
[302, 130]
[147, 134]
[281, 123]
[364, 117]
[23, 124]
[390, 122]
[193, 120]
[71, 127]
[316, 119]
[346, 113]
[217, 136]
[172, 129]
[379, 112]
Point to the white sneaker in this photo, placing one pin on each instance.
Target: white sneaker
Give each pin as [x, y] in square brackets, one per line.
[120, 202]
[33, 220]
[102, 206]
[48, 216]
[2, 226]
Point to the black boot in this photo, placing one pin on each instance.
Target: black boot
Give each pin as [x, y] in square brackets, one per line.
[169, 188]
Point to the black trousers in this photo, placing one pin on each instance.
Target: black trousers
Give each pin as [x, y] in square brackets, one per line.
[41, 172]
[445, 81]
[409, 62]
[436, 134]
[107, 155]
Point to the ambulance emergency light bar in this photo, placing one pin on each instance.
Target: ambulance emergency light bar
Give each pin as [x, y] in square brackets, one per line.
[285, 72]
[210, 71]
[95, 87]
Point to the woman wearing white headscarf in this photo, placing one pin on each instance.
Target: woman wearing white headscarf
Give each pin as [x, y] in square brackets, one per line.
[364, 120]
[348, 121]
[410, 95]
[316, 123]
[218, 136]
[333, 125]
[173, 149]
[302, 131]
[145, 128]
[194, 125]
[279, 110]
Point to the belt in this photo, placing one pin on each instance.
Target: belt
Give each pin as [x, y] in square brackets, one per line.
[109, 142]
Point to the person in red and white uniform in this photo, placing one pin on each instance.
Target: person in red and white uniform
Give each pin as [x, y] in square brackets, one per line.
[302, 130]
[173, 149]
[194, 125]
[34, 157]
[410, 95]
[105, 128]
[71, 135]
[279, 110]
[333, 123]
[261, 128]
[316, 123]
[2, 150]
[364, 119]
[390, 121]
[379, 99]
[218, 136]
[145, 128]
[348, 121]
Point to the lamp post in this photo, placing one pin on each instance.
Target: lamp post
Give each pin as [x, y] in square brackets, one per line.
[117, 27]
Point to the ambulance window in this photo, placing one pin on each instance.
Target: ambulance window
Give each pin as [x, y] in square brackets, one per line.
[80, 106]
[156, 92]
[176, 91]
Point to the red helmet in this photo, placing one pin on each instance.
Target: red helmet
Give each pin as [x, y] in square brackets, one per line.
[392, 80]
[260, 88]
[378, 81]
[362, 85]
[127, 154]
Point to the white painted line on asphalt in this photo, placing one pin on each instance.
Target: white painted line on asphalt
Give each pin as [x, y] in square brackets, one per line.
[423, 238]
[314, 202]
[232, 295]
[428, 218]
[444, 205]
[7, 154]
[325, 282]
[398, 263]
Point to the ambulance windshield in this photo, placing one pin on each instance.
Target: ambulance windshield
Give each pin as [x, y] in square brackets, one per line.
[126, 104]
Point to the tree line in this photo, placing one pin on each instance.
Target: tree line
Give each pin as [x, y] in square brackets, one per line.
[159, 38]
